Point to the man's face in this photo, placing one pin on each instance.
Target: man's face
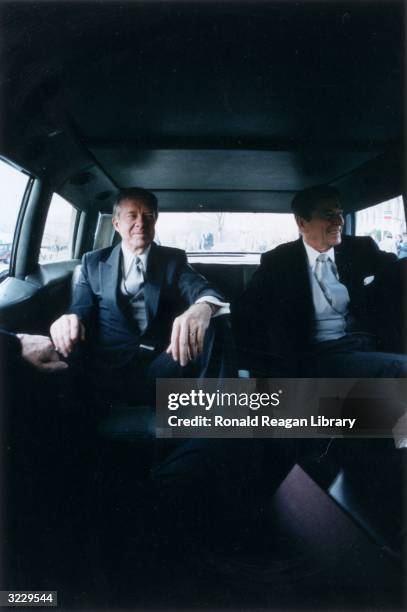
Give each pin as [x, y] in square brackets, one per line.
[136, 225]
[324, 229]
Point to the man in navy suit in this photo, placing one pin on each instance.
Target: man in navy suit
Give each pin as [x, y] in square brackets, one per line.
[145, 313]
[314, 306]
[141, 308]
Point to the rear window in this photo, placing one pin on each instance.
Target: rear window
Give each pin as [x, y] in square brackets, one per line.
[221, 232]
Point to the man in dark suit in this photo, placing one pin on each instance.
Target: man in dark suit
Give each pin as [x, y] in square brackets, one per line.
[142, 309]
[314, 306]
[145, 313]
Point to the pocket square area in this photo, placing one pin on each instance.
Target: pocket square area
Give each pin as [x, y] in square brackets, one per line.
[368, 280]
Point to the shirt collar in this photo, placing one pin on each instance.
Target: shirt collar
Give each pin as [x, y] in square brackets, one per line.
[128, 258]
[313, 254]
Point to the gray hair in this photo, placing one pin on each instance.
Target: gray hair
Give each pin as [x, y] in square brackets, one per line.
[135, 193]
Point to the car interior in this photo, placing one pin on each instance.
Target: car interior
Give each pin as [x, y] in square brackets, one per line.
[218, 108]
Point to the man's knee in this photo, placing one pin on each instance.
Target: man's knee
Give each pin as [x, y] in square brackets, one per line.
[219, 358]
[397, 363]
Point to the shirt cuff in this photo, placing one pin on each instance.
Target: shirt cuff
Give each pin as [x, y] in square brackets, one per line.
[224, 307]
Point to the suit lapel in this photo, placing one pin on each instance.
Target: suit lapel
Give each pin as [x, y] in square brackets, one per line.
[343, 263]
[109, 279]
[154, 280]
[300, 280]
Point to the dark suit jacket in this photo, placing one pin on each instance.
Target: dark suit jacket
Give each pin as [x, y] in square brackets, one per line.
[171, 285]
[274, 320]
[10, 346]
[14, 373]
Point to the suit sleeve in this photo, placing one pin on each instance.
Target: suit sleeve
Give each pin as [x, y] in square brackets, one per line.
[385, 261]
[386, 295]
[12, 371]
[384, 270]
[84, 302]
[192, 285]
[10, 346]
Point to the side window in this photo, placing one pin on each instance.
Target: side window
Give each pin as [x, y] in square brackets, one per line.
[13, 184]
[59, 228]
[386, 224]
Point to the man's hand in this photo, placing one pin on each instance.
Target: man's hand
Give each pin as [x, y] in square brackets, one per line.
[40, 352]
[66, 332]
[188, 333]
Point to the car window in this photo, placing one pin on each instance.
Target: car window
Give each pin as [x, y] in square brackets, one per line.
[221, 232]
[386, 224]
[13, 184]
[58, 234]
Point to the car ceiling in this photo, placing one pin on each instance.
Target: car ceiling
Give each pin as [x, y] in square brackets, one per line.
[212, 105]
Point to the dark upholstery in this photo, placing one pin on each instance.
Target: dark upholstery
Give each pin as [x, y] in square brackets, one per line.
[230, 279]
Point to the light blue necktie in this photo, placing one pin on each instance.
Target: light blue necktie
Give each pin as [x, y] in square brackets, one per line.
[134, 288]
[135, 278]
[335, 293]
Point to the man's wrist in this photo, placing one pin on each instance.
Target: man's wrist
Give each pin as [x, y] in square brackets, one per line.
[212, 307]
[217, 307]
